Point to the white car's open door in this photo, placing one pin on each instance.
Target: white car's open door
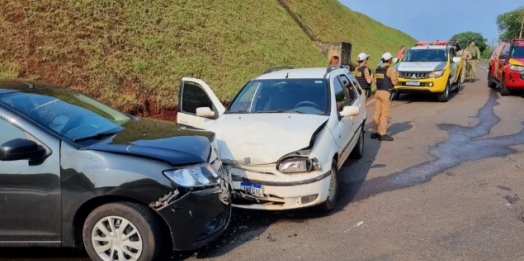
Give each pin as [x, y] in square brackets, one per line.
[198, 106]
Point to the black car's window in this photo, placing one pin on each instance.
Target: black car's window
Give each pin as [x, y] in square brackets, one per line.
[194, 97]
[67, 113]
[9, 132]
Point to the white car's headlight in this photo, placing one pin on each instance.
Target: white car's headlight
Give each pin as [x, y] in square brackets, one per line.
[517, 68]
[298, 165]
[436, 74]
[193, 176]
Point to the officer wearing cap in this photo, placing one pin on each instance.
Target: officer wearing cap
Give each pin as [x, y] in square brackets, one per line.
[385, 79]
[363, 73]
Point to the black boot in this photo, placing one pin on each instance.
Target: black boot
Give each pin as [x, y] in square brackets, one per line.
[374, 135]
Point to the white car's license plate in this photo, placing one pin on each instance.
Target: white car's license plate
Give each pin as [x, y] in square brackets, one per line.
[413, 83]
[252, 189]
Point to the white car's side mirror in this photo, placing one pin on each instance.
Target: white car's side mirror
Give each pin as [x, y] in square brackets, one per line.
[456, 59]
[395, 60]
[350, 111]
[205, 112]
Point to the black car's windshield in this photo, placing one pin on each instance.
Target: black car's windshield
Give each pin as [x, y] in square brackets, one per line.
[308, 96]
[518, 52]
[425, 55]
[70, 114]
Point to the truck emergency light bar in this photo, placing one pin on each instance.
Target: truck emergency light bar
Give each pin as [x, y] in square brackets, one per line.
[435, 43]
[518, 42]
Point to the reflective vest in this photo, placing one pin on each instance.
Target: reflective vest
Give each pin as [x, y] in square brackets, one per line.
[383, 81]
[361, 77]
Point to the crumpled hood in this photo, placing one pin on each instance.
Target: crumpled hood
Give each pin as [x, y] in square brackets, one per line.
[420, 66]
[263, 137]
[160, 140]
[517, 61]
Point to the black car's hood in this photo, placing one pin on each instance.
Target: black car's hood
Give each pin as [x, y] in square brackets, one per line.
[160, 140]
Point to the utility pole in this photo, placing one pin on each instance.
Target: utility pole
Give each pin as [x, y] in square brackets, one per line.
[521, 26]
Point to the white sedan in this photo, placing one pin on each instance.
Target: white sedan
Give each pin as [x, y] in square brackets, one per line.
[285, 135]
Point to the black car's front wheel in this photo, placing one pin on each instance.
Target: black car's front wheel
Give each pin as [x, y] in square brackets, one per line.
[121, 231]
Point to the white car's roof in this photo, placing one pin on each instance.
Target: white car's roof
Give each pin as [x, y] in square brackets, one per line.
[301, 73]
[432, 47]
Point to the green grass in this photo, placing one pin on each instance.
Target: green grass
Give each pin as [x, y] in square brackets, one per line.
[332, 21]
[132, 54]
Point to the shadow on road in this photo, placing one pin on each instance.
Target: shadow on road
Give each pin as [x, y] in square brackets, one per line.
[427, 97]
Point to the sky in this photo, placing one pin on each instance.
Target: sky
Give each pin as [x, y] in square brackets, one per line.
[430, 20]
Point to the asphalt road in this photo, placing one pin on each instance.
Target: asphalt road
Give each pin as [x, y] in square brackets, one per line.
[447, 188]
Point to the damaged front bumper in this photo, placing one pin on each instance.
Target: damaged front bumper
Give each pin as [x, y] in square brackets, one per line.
[278, 192]
[196, 217]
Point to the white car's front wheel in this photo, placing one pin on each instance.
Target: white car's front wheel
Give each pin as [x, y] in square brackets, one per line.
[332, 197]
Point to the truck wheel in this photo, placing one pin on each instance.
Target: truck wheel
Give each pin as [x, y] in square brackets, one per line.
[504, 91]
[121, 231]
[395, 95]
[491, 83]
[332, 197]
[444, 96]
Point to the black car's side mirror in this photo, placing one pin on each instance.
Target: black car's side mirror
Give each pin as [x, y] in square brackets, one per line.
[21, 149]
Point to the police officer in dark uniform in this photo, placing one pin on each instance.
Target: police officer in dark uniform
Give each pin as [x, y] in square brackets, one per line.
[385, 79]
[363, 73]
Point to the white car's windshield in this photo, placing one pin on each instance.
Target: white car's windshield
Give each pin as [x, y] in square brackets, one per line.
[308, 96]
[425, 55]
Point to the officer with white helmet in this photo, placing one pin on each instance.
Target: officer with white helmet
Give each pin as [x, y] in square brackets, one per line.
[385, 79]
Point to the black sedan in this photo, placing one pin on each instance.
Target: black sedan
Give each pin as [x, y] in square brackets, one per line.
[77, 173]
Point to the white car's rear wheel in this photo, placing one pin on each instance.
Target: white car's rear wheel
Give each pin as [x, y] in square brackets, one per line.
[358, 150]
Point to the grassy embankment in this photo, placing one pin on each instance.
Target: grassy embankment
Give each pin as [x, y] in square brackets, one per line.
[132, 54]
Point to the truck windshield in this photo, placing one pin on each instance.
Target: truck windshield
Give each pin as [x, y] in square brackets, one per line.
[518, 52]
[425, 55]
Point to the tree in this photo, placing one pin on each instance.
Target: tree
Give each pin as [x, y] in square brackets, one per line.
[465, 37]
[509, 24]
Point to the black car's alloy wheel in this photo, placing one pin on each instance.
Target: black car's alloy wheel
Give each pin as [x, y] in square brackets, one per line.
[121, 231]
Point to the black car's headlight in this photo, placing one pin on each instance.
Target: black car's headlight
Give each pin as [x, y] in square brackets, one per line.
[298, 165]
[193, 176]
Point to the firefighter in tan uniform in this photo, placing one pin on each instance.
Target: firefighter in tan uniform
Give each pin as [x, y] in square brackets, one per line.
[472, 63]
[385, 79]
[465, 57]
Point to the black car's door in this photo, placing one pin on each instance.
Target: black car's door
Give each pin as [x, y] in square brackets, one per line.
[30, 198]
